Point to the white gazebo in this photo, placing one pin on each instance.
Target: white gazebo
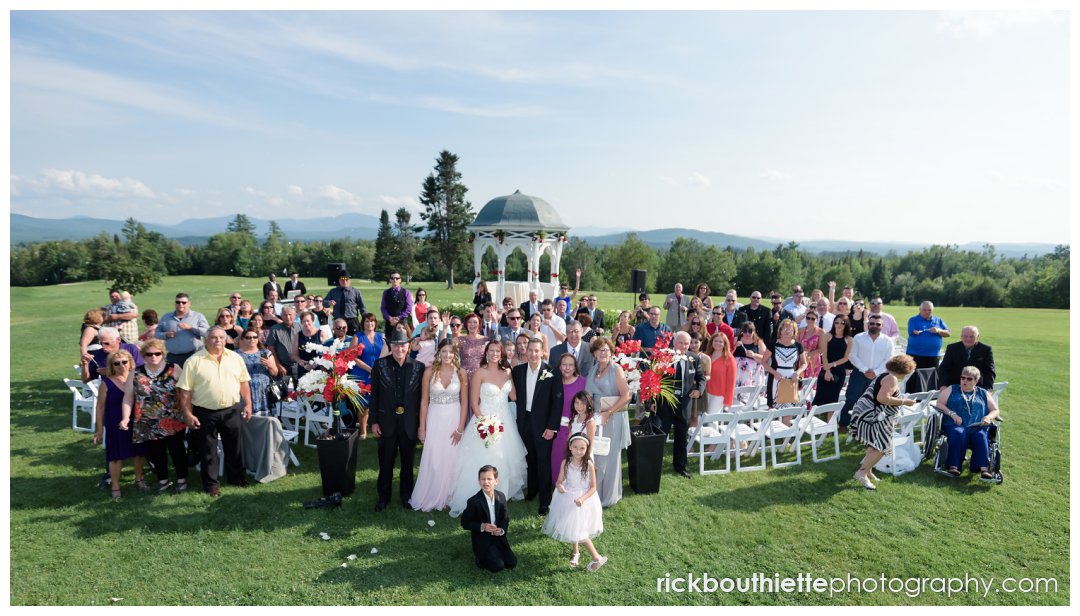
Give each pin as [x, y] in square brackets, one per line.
[518, 221]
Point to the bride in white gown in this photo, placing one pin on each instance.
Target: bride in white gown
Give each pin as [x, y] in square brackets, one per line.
[490, 393]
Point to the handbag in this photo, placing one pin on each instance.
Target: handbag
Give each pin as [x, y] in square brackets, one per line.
[273, 392]
[787, 391]
[601, 445]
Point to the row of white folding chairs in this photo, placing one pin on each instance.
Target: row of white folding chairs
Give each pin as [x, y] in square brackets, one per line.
[764, 431]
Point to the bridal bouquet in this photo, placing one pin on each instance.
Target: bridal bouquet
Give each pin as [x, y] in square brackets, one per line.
[332, 379]
[490, 429]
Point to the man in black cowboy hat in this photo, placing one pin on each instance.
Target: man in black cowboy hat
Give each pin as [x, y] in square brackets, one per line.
[394, 416]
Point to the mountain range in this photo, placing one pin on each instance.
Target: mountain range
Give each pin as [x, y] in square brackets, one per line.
[28, 229]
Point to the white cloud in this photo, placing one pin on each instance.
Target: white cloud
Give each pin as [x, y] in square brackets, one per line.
[295, 190]
[54, 77]
[982, 24]
[406, 201]
[699, 179]
[338, 195]
[773, 174]
[247, 190]
[93, 184]
[670, 181]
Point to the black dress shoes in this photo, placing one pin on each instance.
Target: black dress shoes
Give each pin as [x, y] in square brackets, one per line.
[544, 511]
[683, 473]
[379, 506]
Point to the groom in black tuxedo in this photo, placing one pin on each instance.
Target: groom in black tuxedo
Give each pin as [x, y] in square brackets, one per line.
[394, 416]
[537, 419]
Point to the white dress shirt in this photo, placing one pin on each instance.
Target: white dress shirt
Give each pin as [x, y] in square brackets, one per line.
[870, 354]
[530, 385]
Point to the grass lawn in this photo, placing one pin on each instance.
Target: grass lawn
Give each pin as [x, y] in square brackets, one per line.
[71, 545]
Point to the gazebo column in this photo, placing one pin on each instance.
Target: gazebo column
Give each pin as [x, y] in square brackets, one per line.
[556, 262]
[478, 255]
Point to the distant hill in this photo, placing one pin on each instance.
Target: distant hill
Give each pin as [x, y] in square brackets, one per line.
[27, 229]
[662, 238]
[193, 231]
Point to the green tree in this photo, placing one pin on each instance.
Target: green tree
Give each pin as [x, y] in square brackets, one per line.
[139, 263]
[405, 238]
[632, 254]
[447, 213]
[275, 250]
[386, 257]
[241, 224]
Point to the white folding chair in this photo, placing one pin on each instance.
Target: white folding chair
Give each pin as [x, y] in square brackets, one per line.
[903, 440]
[289, 413]
[715, 428]
[805, 387]
[83, 400]
[996, 391]
[786, 434]
[923, 400]
[317, 417]
[750, 428]
[749, 395]
[819, 429]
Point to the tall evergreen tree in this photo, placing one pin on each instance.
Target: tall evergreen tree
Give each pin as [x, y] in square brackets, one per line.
[241, 224]
[405, 237]
[386, 256]
[447, 213]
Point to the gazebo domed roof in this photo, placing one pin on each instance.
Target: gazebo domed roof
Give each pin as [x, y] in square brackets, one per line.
[519, 212]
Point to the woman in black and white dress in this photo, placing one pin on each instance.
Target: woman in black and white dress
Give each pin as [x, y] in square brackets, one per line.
[874, 416]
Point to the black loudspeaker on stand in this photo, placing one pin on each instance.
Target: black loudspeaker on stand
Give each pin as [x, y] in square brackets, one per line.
[637, 281]
[333, 270]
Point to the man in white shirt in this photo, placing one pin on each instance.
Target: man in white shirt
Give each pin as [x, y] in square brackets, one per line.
[888, 323]
[574, 346]
[869, 352]
[552, 326]
[796, 306]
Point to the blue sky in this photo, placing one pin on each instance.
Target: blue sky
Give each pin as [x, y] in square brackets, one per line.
[923, 126]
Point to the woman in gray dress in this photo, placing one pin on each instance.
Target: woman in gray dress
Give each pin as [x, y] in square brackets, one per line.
[607, 380]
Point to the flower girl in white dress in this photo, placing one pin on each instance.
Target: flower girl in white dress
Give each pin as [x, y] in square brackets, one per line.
[576, 516]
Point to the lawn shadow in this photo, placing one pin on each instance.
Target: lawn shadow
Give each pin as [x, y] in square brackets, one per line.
[29, 398]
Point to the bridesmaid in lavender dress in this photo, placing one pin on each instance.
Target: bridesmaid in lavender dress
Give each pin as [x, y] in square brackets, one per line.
[572, 383]
[443, 413]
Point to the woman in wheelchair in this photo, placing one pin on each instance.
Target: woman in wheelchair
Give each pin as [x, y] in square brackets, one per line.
[969, 410]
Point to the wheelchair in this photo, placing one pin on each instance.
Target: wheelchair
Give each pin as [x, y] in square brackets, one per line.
[936, 447]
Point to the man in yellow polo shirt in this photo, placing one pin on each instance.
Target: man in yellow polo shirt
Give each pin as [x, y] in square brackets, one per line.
[214, 395]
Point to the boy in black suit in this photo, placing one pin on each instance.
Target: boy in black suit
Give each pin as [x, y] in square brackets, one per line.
[486, 517]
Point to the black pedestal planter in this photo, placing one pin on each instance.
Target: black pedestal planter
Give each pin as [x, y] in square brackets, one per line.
[337, 464]
[646, 458]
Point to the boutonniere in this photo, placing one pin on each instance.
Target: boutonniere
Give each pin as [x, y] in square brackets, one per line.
[546, 374]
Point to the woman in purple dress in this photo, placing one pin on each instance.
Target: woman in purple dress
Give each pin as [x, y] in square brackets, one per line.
[109, 411]
[572, 383]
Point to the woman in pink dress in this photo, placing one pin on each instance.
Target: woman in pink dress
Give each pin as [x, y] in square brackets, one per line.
[443, 412]
[471, 345]
[809, 338]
